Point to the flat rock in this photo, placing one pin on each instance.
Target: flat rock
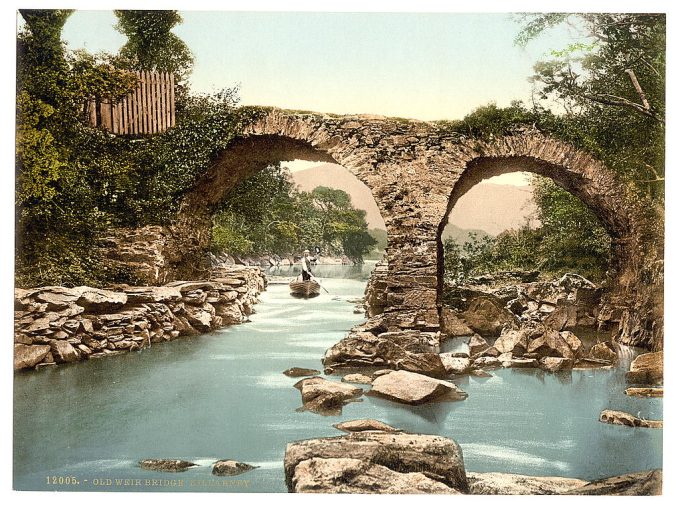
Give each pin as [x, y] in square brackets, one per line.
[414, 389]
[364, 425]
[646, 483]
[494, 483]
[350, 475]
[625, 419]
[152, 294]
[166, 465]
[100, 300]
[300, 372]
[28, 356]
[521, 363]
[357, 378]
[646, 369]
[648, 392]
[228, 467]
[437, 457]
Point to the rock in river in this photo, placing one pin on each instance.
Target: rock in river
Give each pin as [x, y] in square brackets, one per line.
[300, 372]
[166, 465]
[324, 396]
[364, 425]
[350, 475]
[438, 458]
[625, 419]
[414, 389]
[228, 467]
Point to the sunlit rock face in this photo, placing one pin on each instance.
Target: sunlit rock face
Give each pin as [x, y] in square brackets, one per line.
[416, 172]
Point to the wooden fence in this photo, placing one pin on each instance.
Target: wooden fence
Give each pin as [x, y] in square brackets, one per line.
[149, 109]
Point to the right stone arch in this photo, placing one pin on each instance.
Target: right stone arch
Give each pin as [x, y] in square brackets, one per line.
[634, 288]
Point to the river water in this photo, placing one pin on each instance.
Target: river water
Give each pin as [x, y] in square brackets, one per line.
[223, 396]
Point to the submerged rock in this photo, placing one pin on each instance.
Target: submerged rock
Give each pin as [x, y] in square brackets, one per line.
[438, 458]
[646, 369]
[494, 483]
[357, 378]
[625, 419]
[414, 389]
[166, 465]
[228, 467]
[364, 425]
[350, 475]
[300, 372]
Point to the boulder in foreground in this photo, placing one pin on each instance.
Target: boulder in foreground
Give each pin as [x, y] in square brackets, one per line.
[435, 457]
[349, 475]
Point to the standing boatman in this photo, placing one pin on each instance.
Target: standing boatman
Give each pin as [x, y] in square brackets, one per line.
[306, 262]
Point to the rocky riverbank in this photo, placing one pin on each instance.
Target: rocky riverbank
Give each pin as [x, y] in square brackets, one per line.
[54, 324]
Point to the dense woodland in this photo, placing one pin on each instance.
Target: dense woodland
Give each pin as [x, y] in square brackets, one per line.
[74, 182]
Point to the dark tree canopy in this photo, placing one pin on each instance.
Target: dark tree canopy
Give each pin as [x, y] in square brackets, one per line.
[151, 45]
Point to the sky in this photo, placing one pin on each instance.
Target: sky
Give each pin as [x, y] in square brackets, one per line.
[416, 65]
[424, 66]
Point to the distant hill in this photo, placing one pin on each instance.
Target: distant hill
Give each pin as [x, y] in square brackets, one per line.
[460, 235]
[490, 208]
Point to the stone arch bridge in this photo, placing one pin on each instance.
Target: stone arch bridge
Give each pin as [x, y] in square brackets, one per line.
[416, 172]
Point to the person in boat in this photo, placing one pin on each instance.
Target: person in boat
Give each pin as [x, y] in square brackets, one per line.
[306, 262]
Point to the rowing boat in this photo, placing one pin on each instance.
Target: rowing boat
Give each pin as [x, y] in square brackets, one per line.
[304, 289]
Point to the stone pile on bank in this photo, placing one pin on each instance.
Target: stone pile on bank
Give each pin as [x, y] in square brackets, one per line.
[55, 324]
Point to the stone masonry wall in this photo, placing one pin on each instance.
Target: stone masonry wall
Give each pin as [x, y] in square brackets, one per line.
[56, 325]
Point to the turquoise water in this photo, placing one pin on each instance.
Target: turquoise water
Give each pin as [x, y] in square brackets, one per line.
[223, 396]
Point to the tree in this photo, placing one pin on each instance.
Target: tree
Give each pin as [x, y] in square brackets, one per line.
[151, 45]
[612, 87]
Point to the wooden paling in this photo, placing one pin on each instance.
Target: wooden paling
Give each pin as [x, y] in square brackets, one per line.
[147, 110]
